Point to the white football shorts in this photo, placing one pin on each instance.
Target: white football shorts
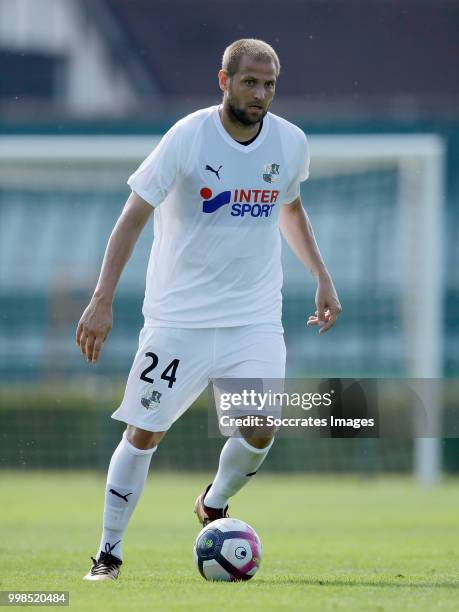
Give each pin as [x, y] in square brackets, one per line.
[172, 367]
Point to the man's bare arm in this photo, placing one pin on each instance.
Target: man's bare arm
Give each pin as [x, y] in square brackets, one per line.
[297, 231]
[96, 321]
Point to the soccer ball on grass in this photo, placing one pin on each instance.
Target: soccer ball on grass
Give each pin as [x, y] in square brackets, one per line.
[227, 549]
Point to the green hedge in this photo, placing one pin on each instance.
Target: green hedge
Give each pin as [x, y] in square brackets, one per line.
[53, 428]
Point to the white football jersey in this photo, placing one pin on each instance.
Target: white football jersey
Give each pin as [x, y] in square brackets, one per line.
[216, 255]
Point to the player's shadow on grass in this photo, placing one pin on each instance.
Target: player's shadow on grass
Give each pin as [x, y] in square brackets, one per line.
[399, 581]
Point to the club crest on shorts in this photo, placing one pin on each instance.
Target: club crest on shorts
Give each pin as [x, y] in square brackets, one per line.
[152, 397]
[271, 173]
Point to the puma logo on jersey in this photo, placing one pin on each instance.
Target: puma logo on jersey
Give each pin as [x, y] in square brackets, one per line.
[214, 171]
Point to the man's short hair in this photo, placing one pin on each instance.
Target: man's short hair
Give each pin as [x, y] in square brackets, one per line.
[251, 47]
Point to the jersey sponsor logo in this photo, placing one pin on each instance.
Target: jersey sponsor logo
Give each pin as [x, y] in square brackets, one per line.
[211, 204]
[271, 173]
[251, 202]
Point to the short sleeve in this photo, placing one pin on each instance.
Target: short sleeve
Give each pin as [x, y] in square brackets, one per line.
[301, 173]
[155, 177]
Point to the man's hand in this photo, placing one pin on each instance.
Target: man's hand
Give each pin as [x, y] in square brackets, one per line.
[297, 230]
[96, 322]
[327, 304]
[93, 328]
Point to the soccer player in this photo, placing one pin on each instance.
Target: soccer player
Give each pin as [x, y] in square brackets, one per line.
[222, 182]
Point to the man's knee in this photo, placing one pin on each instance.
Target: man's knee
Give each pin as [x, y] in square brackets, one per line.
[258, 441]
[258, 436]
[143, 439]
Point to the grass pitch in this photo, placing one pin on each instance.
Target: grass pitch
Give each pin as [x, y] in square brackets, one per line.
[329, 543]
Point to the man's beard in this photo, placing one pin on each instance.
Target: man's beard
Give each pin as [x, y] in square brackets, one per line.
[241, 116]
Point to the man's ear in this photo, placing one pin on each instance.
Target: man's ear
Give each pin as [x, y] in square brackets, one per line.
[223, 79]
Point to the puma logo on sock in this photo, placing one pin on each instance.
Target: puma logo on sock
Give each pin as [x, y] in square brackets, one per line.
[125, 497]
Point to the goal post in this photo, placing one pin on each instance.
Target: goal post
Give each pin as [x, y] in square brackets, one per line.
[420, 207]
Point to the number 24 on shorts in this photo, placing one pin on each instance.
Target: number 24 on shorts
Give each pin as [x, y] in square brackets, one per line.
[168, 374]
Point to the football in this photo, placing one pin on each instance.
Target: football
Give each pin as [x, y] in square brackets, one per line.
[227, 549]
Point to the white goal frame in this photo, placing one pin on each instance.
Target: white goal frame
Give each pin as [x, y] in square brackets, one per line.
[421, 162]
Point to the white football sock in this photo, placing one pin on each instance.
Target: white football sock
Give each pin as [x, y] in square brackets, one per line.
[126, 478]
[239, 460]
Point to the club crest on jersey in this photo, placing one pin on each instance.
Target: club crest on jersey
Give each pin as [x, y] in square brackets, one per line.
[152, 397]
[244, 202]
[271, 173]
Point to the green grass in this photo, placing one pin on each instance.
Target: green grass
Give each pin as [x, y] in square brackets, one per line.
[329, 544]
